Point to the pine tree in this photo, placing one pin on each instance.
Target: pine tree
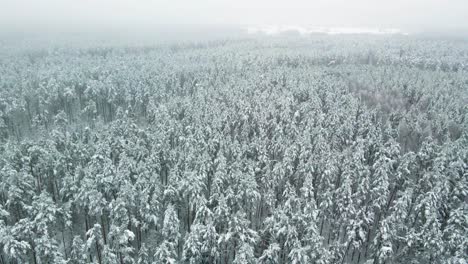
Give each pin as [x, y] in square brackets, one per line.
[77, 251]
[167, 251]
[95, 242]
[143, 255]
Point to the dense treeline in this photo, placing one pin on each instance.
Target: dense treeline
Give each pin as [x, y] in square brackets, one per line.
[324, 150]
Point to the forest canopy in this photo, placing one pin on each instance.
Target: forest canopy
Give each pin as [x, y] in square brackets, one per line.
[325, 149]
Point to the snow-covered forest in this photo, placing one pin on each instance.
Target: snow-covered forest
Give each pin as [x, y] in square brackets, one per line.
[320, 149]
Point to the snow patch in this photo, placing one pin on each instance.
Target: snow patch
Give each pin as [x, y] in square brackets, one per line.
[275, 30]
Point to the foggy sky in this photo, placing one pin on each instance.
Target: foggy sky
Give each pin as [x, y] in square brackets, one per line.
[75, 14]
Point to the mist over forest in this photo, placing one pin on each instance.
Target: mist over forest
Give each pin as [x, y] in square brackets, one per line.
[208, 133]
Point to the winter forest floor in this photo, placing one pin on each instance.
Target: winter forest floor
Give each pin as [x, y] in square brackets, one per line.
[319, 149]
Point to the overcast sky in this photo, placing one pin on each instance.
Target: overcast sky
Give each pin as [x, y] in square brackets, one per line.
[403, 14]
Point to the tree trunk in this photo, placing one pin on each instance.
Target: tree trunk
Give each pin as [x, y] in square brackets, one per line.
[103, 229]
[33, 249]
[98, 252]
[87, 236]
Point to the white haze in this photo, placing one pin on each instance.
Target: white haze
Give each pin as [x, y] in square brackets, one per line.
[325, 15]
[305, 30]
